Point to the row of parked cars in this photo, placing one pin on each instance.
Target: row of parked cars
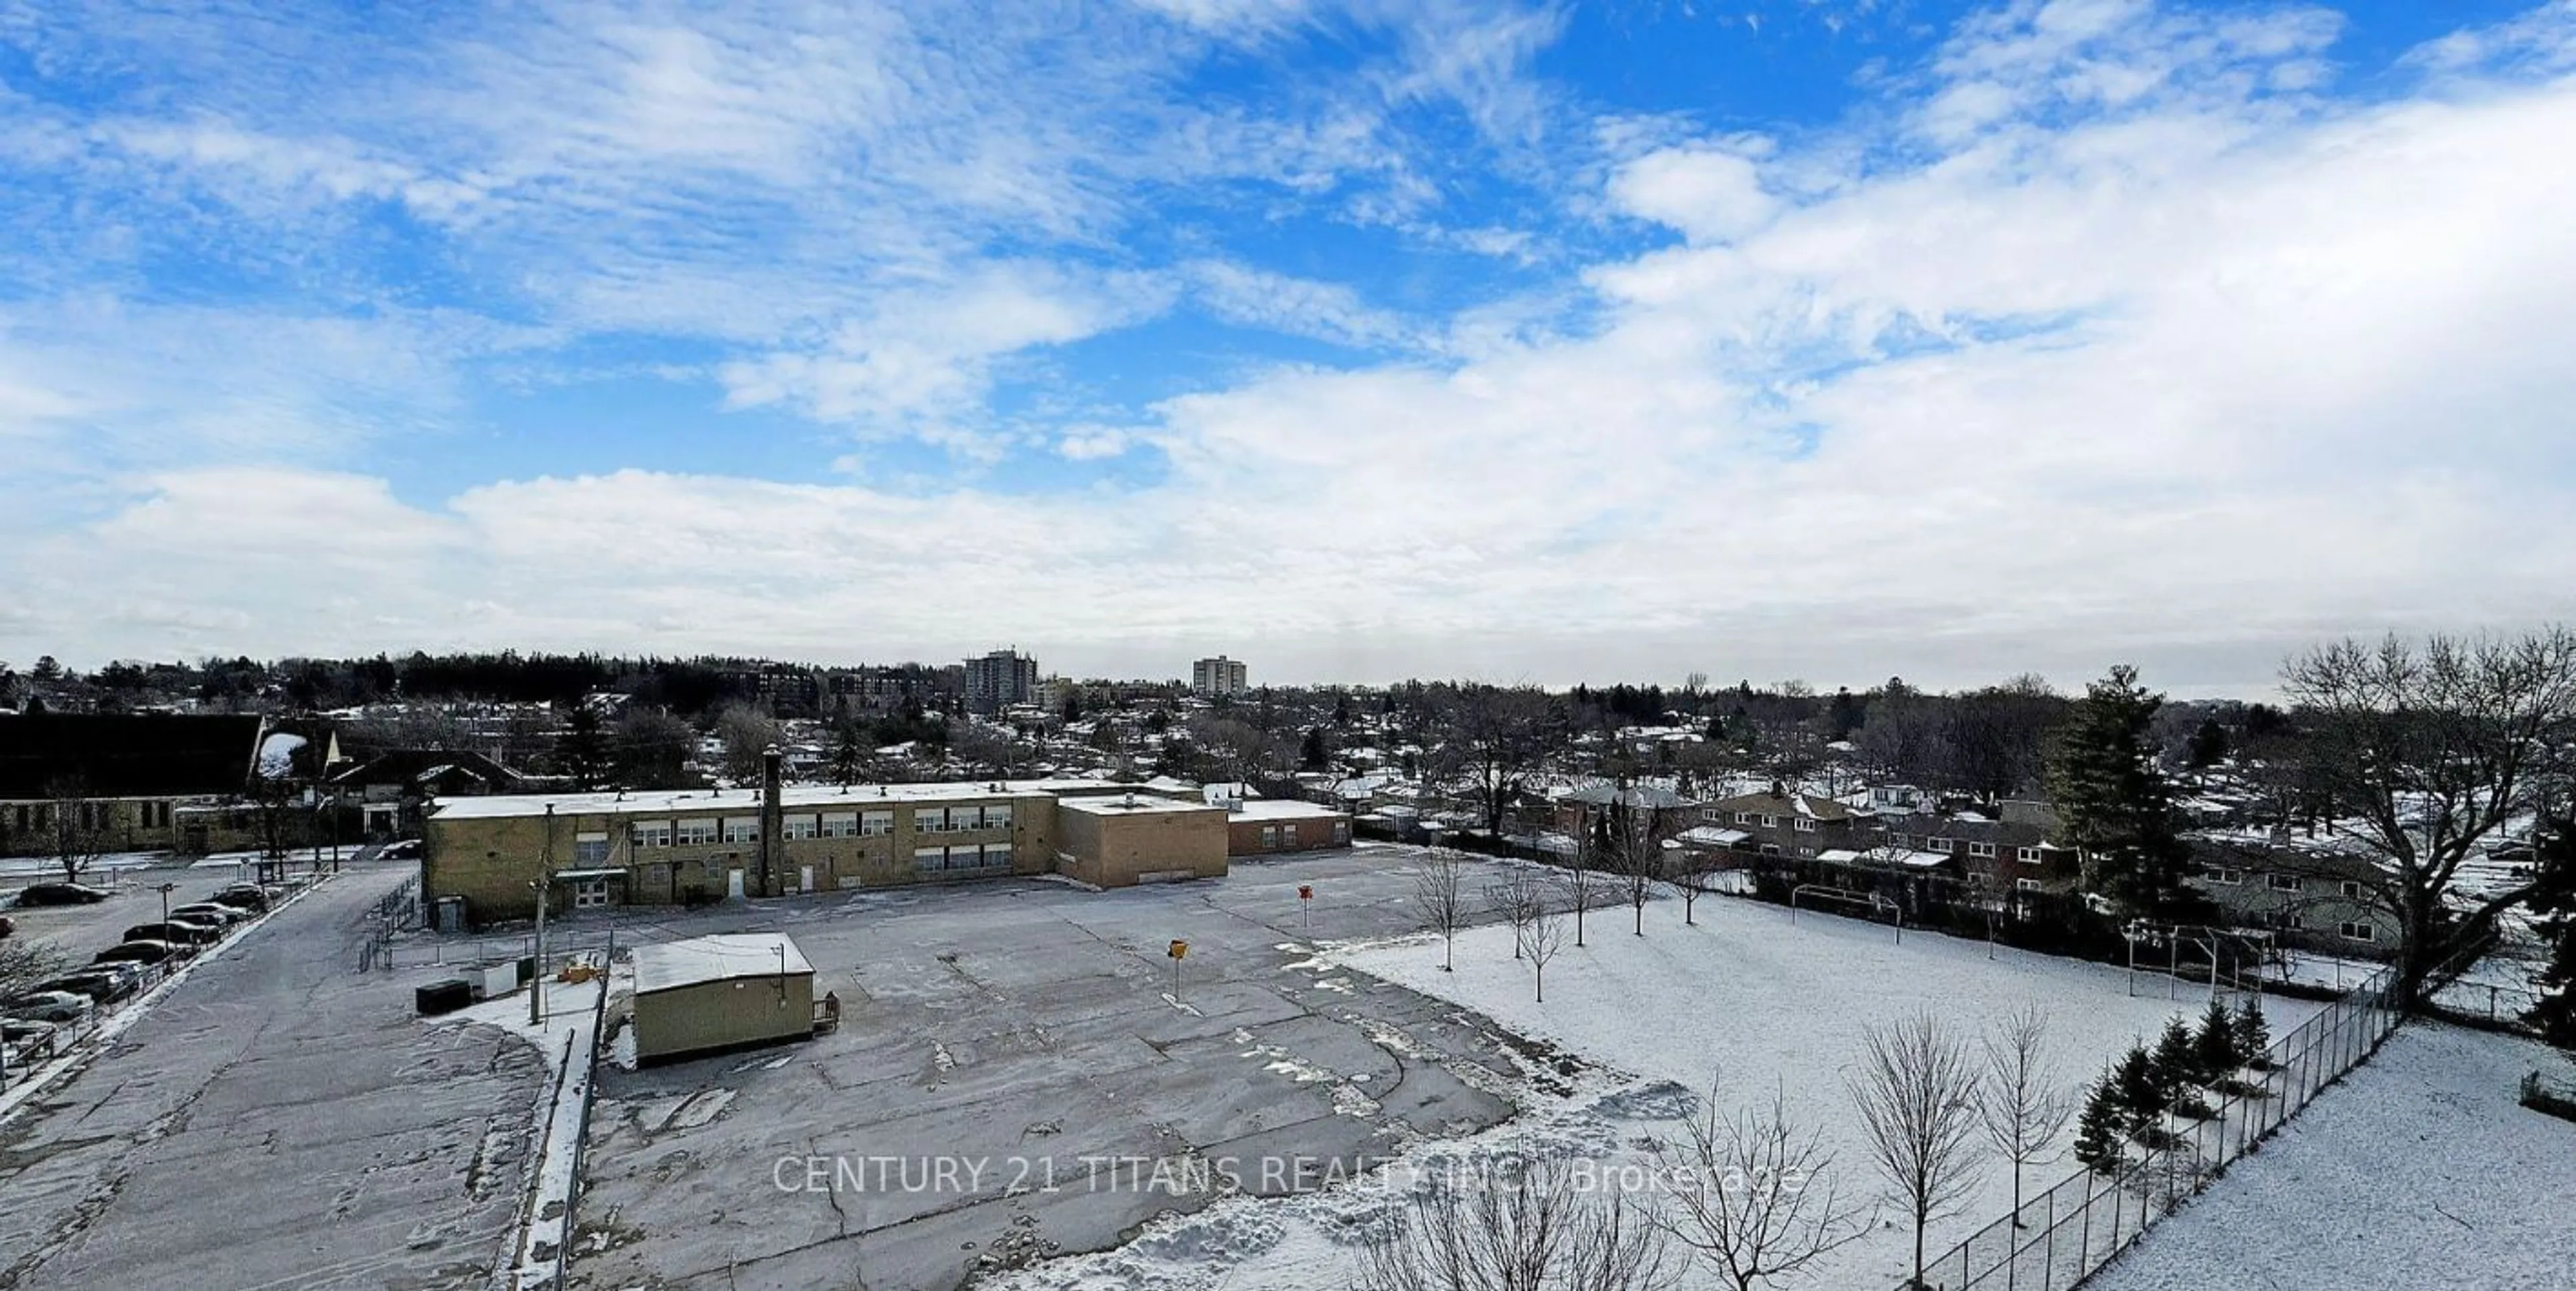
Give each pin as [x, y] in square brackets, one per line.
[28, 1020]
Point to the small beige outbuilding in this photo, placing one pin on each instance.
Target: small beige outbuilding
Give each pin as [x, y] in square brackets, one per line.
[720, 992]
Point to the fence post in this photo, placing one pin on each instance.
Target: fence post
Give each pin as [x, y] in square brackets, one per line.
[2048, 1252]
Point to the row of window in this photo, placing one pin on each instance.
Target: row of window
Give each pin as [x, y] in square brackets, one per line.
[804, 825]
[962, 857]
[2293, 921]
[92, 815]
[2230, 876]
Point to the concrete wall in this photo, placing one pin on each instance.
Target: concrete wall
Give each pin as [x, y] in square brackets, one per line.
[1117, 850]
[717, 1015]
[490, 861]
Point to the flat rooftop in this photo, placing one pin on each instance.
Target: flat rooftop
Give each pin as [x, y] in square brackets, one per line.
[720, 958]
[1286, 809]
[1135, 805]
[663, 802]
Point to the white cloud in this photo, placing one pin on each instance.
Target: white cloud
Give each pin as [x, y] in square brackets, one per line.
[2090, 344]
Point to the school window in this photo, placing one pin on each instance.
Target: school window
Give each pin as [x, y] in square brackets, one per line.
[650, 833]
[929, 860]
[2284, 882]
[997, 856]
[742, 829]
[1981, 849]
[1806, 825]
[798, 827]
[2354, 931]
[590, 849]
[696, 833]
[997, 815]
[840, 824]
[930, 820]
[873, 824]
[1269, 836]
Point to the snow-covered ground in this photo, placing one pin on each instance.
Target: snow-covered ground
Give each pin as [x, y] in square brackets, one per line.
[567, 1038]
[1750, 997]
[2420, 1171]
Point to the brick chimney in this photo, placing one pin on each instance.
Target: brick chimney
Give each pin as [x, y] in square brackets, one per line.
[773, 825]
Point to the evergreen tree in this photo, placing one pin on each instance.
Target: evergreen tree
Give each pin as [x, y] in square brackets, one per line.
[2553, 906]
[1316, 755]
[2214, 1045]
[2253, 1035]
[2176, 1064]
[2099, 1131]
[2207, 747]
[2140, 1098]
[849, 753]
[2117, 805]
[585, 750]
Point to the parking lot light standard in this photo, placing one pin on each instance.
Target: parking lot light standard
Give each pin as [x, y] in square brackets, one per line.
[165, 889]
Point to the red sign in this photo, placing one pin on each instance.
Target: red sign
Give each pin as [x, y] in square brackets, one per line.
[1305, 891]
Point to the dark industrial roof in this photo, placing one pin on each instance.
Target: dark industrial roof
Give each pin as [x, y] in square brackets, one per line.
[145, 755]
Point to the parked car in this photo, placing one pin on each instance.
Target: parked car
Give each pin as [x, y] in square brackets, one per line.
[49, 1006]
[139, 952]
[248, 896]
[221, 915]
[25, 1031]
[405, 850]
[104, 983]
[7, 927]
[41, 894]
[177, 931]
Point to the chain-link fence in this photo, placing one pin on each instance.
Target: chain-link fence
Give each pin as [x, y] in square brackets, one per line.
[2066, 1233]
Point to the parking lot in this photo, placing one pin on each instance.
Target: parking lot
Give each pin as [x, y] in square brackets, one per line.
[80, 931]
[1025, 1033]
[277, 1121]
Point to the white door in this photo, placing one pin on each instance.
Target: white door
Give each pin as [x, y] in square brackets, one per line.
[733, 884]
[588, 893]
[806, 883]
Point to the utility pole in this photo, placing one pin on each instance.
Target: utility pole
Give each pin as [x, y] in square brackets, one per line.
[545, 879]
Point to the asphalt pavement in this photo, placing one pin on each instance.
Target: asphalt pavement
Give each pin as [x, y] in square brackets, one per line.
[278, 1121]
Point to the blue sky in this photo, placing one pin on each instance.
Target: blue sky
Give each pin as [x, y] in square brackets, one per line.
[1802, 338]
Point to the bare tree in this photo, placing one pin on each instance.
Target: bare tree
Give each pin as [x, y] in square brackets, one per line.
[1497, 740]
[1578, 880]
[1917, 1097]
[1544, 938]
[2425, 751]
[1518, 897]
[1749, 1195]
[1532, 1229]
[1440, 896]
[25, 963]
[1689, 869]
[1631, 834]
[75, 826]
[2022, 1102]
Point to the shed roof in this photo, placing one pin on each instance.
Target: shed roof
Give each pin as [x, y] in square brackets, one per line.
[720, 958]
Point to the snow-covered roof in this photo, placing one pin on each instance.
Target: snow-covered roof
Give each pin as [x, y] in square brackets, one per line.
[1283, 809]
[723, 957]
[664, 801]
[1712, 836]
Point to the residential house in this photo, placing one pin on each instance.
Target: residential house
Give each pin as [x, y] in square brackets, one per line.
[1780, 822]
[2310, 894]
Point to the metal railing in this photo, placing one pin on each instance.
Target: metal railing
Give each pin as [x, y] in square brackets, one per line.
[2065, 1234]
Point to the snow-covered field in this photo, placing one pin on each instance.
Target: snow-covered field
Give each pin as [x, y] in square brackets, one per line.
[2420, 1171]
[1763, 1003]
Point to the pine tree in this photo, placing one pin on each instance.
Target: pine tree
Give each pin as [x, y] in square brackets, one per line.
[2098, 1131]
[585, 750]
[2117, 804]
[2254, 1035]
[2138, 1096]
[2214, 1051]
[2553, 907]
[2176, 1066]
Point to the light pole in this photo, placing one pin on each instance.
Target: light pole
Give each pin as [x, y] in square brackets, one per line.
[545, 879]
[165, 890]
